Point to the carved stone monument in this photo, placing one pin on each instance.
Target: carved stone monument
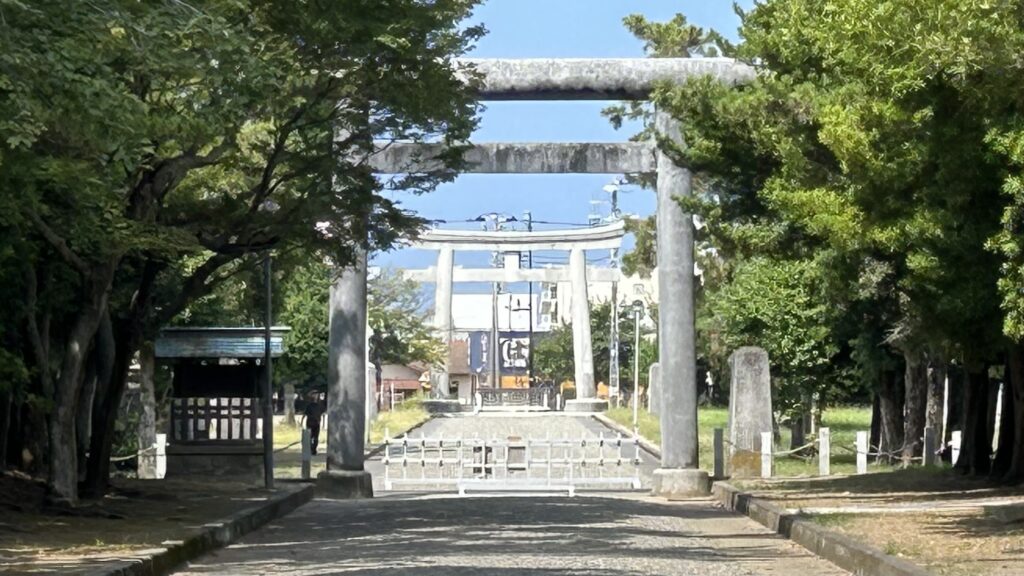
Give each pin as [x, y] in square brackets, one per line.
[654, 388]
[750, 409]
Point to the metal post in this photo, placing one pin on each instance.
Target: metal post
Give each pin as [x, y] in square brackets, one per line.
[268, 378]
[929, 447]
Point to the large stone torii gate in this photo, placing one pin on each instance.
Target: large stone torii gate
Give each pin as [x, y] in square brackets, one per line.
[553, 79]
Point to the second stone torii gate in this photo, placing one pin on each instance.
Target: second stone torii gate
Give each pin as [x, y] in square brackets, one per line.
[576, 242]
[562, 79]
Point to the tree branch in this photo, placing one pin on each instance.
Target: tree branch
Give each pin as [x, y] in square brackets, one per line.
[59, 244]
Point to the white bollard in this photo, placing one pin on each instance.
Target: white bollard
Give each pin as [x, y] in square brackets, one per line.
[558, 401]
[161, 455]
[862, 452]
[824, 452]
[955, 440]
[307, 455]
[766, 454]
[478, 403]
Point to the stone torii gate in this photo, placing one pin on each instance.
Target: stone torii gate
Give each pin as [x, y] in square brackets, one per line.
[576, 242]
[555, 79]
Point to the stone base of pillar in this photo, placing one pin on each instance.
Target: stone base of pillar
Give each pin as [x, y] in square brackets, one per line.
[344, 484]
[586, 405]
[680, 483]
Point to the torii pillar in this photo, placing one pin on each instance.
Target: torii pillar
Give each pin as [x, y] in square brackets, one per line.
[443, 314]
[345, 476]
[582, 347]
[679, 475]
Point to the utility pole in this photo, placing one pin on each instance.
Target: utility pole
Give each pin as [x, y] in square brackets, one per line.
[529, 358]
[613, 350]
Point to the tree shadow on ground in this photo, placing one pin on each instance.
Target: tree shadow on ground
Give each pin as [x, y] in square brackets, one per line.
[495, 536]
[895, 486]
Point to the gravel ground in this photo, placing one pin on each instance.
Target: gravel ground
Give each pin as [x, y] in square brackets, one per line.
[503, 536]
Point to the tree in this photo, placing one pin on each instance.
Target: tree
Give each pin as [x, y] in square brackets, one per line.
[147, 145]
[874, 143]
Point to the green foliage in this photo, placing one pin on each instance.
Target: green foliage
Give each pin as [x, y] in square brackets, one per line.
[553, 352]
[869, 173]
[151, 152]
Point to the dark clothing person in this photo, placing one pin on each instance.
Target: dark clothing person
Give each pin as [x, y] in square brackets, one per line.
[313, 413]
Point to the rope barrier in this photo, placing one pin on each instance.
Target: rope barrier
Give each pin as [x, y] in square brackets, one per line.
[130, 456]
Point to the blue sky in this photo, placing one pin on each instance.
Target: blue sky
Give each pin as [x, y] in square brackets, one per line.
[550, 28]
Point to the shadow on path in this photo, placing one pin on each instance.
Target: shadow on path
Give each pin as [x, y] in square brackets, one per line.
[511, 535]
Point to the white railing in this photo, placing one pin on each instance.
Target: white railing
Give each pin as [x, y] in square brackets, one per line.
[511, 464]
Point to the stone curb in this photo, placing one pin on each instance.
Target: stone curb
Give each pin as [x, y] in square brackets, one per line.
[160, 561]
[838, 549]
[645, 444]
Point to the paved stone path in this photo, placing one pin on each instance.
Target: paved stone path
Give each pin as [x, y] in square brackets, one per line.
[505, 536]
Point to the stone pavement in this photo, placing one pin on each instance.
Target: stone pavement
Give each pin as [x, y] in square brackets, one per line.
[503, 536]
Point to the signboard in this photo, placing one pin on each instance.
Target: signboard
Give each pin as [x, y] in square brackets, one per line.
[513, 351]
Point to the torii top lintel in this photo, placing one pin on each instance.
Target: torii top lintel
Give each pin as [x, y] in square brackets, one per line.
[597, 237]
[596, 78]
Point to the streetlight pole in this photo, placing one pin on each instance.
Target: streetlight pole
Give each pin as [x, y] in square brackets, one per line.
[614, 387]
[268, 378]
[638, 310]
[529, 358]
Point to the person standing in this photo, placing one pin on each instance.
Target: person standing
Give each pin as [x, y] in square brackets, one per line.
[312, 415]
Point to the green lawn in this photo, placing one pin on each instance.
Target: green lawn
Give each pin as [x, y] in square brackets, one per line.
[843, 423]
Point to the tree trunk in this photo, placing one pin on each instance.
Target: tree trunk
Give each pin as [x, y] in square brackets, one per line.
[63, 455]
[891, 411]
[126, 342]
[955, 419]
[933, 416]
[916, 389]
[875, 434]
[798, 435]
[974, 446]
[147, 420]
[1015, 378]
[1005, 433]
[83, 417]
[63, 449]
[6, 400]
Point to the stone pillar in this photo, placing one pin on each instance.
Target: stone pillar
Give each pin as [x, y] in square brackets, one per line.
[443, 314]
[582, 345]
[346, 387]
[654, 388]
[677, 352]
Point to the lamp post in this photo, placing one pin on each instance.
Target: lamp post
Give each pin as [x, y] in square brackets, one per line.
[638, 312]
[268, 206]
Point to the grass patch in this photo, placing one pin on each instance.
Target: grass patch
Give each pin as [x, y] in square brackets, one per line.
[843, 423]
[405, 415]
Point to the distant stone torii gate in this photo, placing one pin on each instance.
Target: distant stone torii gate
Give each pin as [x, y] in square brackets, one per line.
[576, 242]
[554, 79]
